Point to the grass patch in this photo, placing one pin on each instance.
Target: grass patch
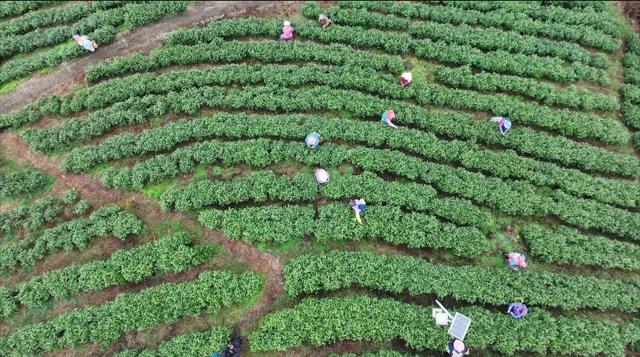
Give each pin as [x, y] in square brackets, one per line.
[155, 191]
[9, 86]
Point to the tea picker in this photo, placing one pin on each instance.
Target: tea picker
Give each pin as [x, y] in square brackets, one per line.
[406, 78]
[312, 140]
[322, 176]
[85, 42]
[287, 31]
[387, 117]
[359, 206]
[324, 20]
[458, 327]
[516, 260]
[231, 350]
[504, 124]
[517, 309]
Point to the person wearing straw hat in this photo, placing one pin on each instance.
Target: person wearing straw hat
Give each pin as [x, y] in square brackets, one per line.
[457, 348]
[287, 31]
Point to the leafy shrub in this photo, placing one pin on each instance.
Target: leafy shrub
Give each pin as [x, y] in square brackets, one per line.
[30, 217]
[81, 207]
[324, 321]
[105, 323]
[21, 181]
[71, 196]
[191, 344]
[336, 222]
[496, 286]
[568, 246]
[75, 234]
[169, 254]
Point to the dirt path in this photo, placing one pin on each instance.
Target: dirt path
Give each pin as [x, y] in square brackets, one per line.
[141, 39]
[149, 211]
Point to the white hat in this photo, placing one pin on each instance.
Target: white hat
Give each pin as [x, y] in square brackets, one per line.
[322, 176]
[287, 23]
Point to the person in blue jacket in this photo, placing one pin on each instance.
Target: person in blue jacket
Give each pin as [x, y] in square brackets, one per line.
[312, 140]
[517, 310]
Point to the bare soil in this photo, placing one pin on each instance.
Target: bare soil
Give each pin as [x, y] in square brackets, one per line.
[149, 211]
[631, 10]
[71, 73]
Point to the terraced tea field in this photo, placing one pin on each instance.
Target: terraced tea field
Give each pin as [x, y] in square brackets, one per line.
[162, 199]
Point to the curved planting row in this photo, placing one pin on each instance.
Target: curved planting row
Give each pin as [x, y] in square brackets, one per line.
[53, 16]
[264, 186]
[566, 122]
[568, 246]
[524, 141]
[513, 197]
[631, 91]
[481, 38]
[589, 214]
[266, 51]
[546, 93]
[451, 124]
[20, 67]
[239, 125]
[275, 224]
[191, 344]
[500, 61]
[324, 321]
[75, 234]
[507, 63]
[14, 8]
[497, 286]
[13, 43]
[583, 17]
[101, 26]
[132, 312]
[170, 254]
[511, 21]
[572, 124]
[459, 125]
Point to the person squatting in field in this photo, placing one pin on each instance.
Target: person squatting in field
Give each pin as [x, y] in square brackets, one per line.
[516, 260]
[324, 20]
[312, 140]
[85, 42]
[287, 31]
[406, 79]
[517, 310]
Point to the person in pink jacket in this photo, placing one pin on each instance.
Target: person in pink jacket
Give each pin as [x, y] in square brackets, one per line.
[387, 117]
[287, 32]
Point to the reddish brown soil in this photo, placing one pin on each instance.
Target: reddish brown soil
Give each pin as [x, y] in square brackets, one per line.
[71, 74]
[149, 211]
[631, 10]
